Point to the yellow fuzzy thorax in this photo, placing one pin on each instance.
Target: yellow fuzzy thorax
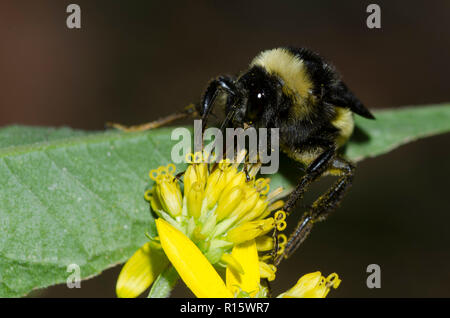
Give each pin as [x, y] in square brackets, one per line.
[292, 71]
[297, 84]
[287, 66]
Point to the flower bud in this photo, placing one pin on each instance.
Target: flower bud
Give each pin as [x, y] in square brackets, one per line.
[169, 196]
[228, 202]
[250, 230]
[312, 285]
[195, 200]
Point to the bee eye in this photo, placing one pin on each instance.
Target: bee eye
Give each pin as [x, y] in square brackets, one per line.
[256, 104]
[259, 97]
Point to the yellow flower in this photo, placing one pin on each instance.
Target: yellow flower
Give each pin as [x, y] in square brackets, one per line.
[218, 218]
[312, 285]
[216, 208]
[243, 273]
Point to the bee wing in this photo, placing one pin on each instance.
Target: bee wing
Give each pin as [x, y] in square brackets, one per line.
[341, 96]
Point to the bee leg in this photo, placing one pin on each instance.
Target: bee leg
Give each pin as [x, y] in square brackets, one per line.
[189, 110]
[247, 174]
[179, 175]
[322, 207]
[313, 172]
[220, 84]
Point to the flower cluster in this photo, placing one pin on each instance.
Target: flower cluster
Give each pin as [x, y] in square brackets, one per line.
[219, 208]
[217, 217]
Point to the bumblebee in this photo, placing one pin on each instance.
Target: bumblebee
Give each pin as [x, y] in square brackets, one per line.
[300, 93]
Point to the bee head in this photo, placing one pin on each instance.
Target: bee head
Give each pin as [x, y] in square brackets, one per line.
[258, 93]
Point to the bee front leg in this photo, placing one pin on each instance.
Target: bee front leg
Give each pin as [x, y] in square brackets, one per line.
[322, 207]
[215, 87]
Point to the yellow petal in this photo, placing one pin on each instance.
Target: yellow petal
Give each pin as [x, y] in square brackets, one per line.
[247, 256]
[140, 271]
[232, 263]
[192, 266]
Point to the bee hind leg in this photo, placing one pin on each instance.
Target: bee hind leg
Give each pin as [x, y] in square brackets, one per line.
[321, 208]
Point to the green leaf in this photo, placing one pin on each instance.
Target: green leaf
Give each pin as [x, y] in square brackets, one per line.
[75, 197]
[14, 136]
[393, 128]
[72, 200]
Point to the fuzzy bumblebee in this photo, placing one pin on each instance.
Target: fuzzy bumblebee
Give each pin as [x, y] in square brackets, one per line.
[300, 93]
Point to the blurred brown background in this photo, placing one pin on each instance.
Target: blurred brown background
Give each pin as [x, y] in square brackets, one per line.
[133, 61]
